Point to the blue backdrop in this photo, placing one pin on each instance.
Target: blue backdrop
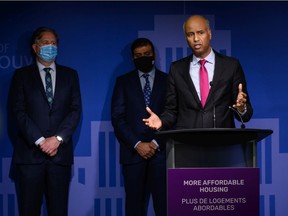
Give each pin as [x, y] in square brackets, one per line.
[95, 39]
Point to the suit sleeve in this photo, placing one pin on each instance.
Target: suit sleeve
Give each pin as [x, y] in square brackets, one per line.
[169, 115]
[122, 129]
[70, 122]
[239, 77]
[27, 127]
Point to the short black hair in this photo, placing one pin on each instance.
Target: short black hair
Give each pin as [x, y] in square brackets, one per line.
[139, 42]
[37, 34]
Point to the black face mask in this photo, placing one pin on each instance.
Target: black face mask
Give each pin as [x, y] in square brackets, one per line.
[144, 64]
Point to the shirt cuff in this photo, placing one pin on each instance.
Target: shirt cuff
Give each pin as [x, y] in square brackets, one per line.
[245, 110]
[137, 144]
[39, 141]
[155, 142]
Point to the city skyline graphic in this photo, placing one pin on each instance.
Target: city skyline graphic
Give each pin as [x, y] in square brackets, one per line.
[97, 184]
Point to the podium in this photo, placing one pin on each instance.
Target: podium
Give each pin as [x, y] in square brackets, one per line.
[212, 147]
[212, 172]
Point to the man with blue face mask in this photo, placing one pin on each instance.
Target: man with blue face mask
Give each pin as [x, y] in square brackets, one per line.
[45, 47]
[46, 103]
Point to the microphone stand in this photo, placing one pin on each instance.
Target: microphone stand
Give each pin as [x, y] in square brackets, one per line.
[239, 115]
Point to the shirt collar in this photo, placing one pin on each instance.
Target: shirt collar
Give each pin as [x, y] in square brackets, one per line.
[41, 67]
[151, 73]
[210, 58]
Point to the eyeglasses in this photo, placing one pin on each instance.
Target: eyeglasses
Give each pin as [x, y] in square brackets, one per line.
[46, 42]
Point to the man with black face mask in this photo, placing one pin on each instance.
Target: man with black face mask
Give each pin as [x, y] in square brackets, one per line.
[142, 156]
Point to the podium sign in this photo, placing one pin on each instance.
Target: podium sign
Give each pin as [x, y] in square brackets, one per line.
[213, 191]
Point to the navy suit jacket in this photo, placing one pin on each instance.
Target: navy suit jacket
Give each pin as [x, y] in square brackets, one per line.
[128, 109]
[35, 119]
[183, 106]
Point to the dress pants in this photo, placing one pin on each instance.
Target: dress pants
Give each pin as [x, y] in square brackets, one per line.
[142, 180]
[34, 181]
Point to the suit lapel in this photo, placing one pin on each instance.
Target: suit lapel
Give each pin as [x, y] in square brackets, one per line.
[136, 87]
[218, 71]
[157, 83]
[38, 80]
[39, 83]
[58, 83]
[185, 71]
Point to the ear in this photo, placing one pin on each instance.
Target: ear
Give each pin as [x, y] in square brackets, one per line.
[34, 47]
[210, 34]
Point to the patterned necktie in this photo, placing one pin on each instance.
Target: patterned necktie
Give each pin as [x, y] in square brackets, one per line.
[147, 90]
[49, 89]
[204, 83]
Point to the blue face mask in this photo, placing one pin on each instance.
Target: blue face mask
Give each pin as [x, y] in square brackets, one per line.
[48, 53]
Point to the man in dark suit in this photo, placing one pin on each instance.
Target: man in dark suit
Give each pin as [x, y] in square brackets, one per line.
[226, 89]
[46, 102]
[142, 156]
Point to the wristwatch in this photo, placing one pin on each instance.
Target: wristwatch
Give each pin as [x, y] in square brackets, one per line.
[59, 138]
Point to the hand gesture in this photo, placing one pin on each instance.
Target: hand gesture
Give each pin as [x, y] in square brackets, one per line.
[241, 99]
[153, 121]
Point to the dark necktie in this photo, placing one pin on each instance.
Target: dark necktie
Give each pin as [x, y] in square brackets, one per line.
[147, 90]
[204, 83]
[49, 88]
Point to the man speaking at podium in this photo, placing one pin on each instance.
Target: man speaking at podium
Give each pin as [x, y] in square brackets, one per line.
[206, 89]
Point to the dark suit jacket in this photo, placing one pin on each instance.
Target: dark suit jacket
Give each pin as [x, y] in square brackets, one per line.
[183, 106]
[35, 119]
[128, 109]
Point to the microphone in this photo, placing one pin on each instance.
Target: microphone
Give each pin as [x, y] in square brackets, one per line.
[214, 108]
[236, 111]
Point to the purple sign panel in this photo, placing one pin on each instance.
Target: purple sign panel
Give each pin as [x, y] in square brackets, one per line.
[213, 191]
